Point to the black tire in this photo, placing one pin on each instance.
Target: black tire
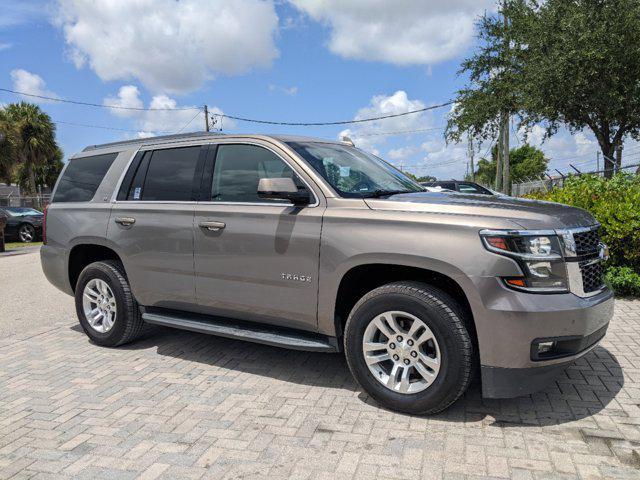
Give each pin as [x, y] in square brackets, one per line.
[128, 325]
[443, 316]
[26, 233]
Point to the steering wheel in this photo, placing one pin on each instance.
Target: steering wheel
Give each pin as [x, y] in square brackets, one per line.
[362, 186]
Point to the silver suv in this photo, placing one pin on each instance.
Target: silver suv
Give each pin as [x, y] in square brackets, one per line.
[315, 245]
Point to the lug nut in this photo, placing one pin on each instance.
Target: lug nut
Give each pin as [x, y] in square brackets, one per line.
[396, 358]
[399, 338]
[414, 354]
[410, 343]
[406, 361]
[392, 346]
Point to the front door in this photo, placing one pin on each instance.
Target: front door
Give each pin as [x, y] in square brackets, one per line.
[152, 225]
[256, 259]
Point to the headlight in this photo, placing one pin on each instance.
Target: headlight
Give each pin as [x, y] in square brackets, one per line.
[539, 255]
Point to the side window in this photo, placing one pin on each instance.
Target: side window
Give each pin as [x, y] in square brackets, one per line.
[447, 185]
[239, 168]
[82, 178]
[166, 175]
[471, 188]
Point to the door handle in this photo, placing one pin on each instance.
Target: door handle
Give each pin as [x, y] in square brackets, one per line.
[125, 221]
[212, 226]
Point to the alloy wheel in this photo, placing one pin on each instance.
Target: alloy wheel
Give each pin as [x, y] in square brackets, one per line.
[401, 351]
[99, 304]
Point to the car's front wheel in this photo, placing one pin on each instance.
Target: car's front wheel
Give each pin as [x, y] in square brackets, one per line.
[407, 346]
[26, 233]
[106, 308]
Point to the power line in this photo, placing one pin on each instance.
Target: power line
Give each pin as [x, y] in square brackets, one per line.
[322, 124]
[189, 122]
[103, 127]
[99, 105]
[232, 117]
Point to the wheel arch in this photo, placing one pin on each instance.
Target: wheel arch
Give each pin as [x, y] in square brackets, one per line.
[82, 254]
[364, 277]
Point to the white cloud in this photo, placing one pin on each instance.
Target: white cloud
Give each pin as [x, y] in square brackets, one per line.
[291, 91]
[19, 12]
[163, 116]
[402, 32]
[169, 46]
[27, 82]
[368, 135]
[5, 46]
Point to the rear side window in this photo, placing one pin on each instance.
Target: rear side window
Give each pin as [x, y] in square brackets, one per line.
[82, 177]
[163, 175]
[447, 185]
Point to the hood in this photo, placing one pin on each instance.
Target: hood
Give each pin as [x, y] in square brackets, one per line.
[529, 214]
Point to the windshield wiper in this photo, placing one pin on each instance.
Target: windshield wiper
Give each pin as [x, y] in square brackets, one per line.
[384, 193]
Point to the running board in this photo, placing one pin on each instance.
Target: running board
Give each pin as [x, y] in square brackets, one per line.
[251, 332]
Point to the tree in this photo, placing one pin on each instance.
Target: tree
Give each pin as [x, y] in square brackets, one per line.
[424, 178]
[526, 162]
[573, 63]
[30, 155]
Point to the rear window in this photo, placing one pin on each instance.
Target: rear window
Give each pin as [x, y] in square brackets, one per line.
[82, 177]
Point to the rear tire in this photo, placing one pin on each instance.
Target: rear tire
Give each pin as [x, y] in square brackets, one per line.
[26, 233]
[103, 287]
[428, 340]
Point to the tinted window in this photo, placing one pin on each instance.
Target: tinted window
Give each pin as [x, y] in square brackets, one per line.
[82, 177]
[447, 185]
[135, 189]
[239, 168]
[169, 177]
[472, 188]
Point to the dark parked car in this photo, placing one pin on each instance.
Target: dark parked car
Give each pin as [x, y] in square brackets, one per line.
[23, 224]
[460, 186]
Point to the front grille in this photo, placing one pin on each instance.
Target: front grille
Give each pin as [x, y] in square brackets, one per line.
[592, 276]
[586, 242]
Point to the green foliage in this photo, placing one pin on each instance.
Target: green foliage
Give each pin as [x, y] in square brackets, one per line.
[556, 62]
[624, 281]
[29, 154]
[615, 203]
[526, 162]
[415, 178]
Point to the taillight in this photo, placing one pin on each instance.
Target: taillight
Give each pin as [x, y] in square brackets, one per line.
[44, 226]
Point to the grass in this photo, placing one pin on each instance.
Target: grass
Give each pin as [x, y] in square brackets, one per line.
[16, 245]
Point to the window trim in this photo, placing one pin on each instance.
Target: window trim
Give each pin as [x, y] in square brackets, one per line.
[211, 164]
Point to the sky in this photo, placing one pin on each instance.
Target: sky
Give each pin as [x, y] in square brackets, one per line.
[280, 60]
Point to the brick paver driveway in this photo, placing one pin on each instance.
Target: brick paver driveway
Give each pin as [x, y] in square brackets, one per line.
[183, 405]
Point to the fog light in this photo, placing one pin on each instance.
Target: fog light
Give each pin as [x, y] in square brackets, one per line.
[545, 347]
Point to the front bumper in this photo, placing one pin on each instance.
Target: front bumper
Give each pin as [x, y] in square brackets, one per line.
[509, 322]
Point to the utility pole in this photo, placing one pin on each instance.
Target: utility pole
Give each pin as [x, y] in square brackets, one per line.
[618, 156]
[506, 120]
[206, 118]
[506, 177]
[598, 163]
[499, 149]
[471, 164]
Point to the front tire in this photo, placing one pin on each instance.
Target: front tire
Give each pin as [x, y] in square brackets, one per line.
[106, 308]
[407, 346]
[26, 233]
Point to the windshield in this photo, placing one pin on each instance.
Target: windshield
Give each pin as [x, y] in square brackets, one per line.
[21, 211]
[354, 173]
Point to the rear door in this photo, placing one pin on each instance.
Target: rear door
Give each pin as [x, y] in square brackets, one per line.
[152, 224]
[262, 263]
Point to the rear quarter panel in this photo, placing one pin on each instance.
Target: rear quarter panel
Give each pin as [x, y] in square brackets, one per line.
[75, 223]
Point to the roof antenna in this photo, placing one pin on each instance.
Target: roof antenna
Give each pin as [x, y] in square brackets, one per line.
[347, 140]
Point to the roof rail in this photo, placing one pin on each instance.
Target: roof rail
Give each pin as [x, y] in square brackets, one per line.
[152, 140]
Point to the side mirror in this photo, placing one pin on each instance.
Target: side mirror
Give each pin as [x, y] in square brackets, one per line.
[282, 189]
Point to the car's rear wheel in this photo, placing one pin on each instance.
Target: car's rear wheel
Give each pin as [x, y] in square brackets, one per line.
[407, 346]
[106, 308]
[26, 233]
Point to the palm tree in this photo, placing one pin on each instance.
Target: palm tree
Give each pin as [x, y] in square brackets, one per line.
[34, 145]
[8, 139]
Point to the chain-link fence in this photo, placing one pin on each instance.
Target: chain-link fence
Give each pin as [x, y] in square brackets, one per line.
[547, 183]
[39, 202]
